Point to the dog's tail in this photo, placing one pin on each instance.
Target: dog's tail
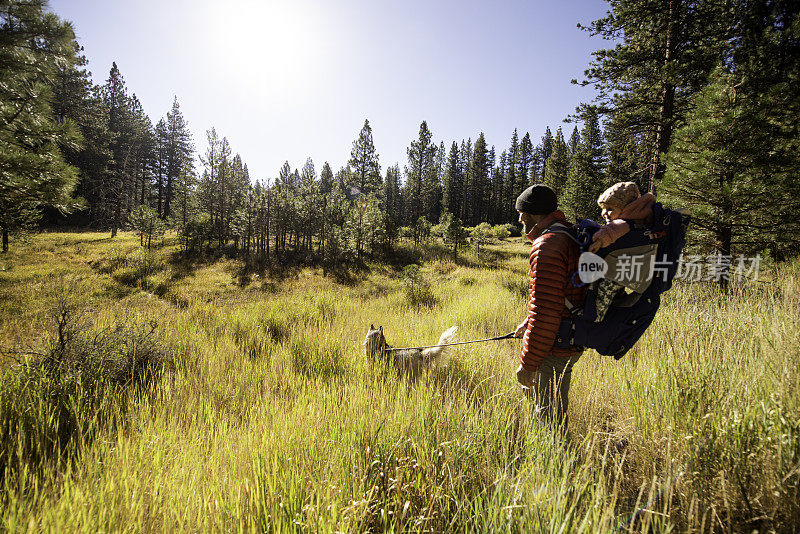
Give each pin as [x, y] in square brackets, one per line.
[440, 354]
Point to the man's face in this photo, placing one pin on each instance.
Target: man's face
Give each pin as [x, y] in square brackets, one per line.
[528, 221]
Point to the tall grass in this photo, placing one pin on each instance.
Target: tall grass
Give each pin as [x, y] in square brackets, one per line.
[272, 420]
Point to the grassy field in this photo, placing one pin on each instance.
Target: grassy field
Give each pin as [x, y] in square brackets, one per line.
[193, 397]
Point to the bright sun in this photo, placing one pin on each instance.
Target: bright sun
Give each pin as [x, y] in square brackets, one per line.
[268, 42]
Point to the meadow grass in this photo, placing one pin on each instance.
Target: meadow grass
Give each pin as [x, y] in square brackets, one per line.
[270, 419]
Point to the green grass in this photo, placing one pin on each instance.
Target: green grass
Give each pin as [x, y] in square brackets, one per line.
[270, 419]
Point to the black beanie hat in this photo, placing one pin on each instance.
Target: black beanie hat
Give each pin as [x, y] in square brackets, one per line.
[537, 200]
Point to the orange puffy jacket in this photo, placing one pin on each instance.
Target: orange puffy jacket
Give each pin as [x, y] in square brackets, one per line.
[553, 259]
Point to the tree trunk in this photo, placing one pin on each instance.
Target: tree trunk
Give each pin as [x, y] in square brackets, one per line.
[724, 236]
[666, 109]
[724, 231]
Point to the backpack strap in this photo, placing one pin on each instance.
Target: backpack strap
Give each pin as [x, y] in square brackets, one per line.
[581, 238]
[574, 310]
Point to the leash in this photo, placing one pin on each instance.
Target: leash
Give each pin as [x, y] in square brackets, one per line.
[505, 336]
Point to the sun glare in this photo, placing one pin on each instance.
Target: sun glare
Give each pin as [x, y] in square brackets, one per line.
[264, 42]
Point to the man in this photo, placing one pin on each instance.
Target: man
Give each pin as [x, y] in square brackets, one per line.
[554, 258]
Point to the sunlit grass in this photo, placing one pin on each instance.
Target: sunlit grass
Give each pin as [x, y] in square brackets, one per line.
[273, 420]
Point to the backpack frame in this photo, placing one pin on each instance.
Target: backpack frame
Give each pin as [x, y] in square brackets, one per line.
[630, 314]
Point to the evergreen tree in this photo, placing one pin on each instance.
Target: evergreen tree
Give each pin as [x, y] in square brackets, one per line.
[222, 188]
[364, 162]
[537, 166]
[432, 185]
[326, 179]
[126, 126]
[76, 99]
[546, 150]
[555, 175]
[524, 163]
[725, 168]
[308, 206]
[626, 160]
[454, 233]
[666, 52]
[421, 156]
[585, 179]
[160, 167]
[33, 172]
[510, 170]
[574, 141]
[286, 177]
[452, 196]
[391, 194]
[498, 186]
[179, 151]
[466, 160]
[478, 182]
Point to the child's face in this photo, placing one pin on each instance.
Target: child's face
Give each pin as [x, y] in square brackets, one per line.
[610, 214]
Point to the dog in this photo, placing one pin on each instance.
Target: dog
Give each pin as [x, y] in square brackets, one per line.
[411, 362]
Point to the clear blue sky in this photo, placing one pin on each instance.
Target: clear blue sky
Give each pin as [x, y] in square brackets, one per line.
[285, 80]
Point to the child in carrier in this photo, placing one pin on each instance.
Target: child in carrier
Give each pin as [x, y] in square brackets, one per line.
[622, 205]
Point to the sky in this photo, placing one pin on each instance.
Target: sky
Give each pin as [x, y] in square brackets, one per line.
[288, 80]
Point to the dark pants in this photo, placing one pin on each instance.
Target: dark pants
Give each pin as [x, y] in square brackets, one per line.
[551, 390]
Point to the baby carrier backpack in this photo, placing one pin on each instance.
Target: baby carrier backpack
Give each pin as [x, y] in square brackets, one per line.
[642, 263]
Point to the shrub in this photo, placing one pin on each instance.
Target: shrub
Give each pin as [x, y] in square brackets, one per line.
[55, 397]
[501, 231]
[454, 233]
[513, 230]
[418, 290]
[147, 224]
[480, 234]
[422, 230]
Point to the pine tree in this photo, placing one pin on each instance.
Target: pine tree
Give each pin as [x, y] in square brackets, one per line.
[307, 208]
[160, 170]
[432, 185]
[421, 155]
[667, 51]
[524, 164]
[510, 169]
[498, 176]
[33, 172]
[391, 194]
[179, 151]
[725, 168]
[585, 175]
[555, 175]
[537, 166]
[286, 177]
[126, 122]
[574, 141]
[326, 179]
[546, 150]
[452, 196]
[364, 162]
[221, 186]
[626, 159]
[478, 182]
[465, 157]
[76, 99]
